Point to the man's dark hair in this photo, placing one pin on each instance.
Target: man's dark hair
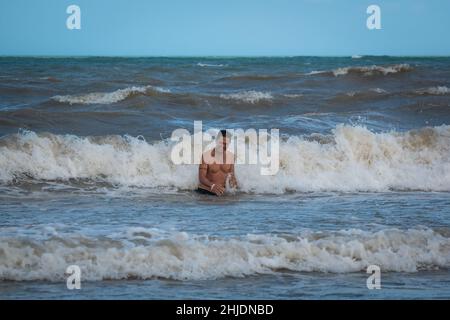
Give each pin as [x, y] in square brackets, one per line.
[223, 132]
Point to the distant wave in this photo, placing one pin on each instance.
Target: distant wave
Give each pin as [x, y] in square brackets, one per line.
[316, 72]
[440, 90]
[257, 77]
[372, 90]
[378, 90]
[147, 253]
[293, 95]
[372, 93]
[248, 96]
[200, 64]
[356, 56]
[107, 97]
[367, 70]
[351, 159]
[50, 79]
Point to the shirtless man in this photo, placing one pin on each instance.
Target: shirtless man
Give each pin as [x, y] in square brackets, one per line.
[217, 168]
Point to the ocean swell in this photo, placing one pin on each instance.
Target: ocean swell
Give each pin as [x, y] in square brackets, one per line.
[367, 70]
[107, 97]
[436, 91]
[248, 96]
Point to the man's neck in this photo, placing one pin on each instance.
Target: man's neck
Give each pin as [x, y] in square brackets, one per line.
[220, 154]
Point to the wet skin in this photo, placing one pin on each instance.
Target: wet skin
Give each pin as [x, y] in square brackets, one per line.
[217, 166]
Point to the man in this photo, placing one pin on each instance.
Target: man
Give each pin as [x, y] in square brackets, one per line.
[217, 168]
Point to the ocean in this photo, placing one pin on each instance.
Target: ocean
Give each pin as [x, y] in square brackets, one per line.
[86, 178]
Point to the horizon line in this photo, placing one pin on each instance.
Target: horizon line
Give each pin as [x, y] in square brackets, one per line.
[221, 56]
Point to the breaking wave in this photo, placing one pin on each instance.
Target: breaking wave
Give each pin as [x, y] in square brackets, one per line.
[439, 90]
[248, 96]
[200, 64]
[367, 70]
[352, 158]
[107, 97]
[147, 253]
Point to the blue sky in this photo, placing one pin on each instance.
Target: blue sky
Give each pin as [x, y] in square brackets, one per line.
[224, 28]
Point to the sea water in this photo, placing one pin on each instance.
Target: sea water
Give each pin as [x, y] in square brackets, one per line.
[86, 178]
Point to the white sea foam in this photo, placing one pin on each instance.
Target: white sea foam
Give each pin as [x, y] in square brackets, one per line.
[367, 70]
[145, 254]
[248, 96]
[351, 159]
[293, 95]
[316, 72]
[378, 90]
[356, 56]
[371, 70]
[200, 64]
[439, 90]
[106, 97]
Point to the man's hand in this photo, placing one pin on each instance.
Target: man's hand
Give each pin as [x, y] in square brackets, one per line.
[217, 189]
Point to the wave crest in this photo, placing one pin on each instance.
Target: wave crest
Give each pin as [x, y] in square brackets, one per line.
[144, 254]
[248, 96]
[107, 97]
[439, 90]
[351, 159]
[212, 65]
[367, 70]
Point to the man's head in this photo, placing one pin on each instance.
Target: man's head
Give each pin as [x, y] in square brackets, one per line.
[223, 139]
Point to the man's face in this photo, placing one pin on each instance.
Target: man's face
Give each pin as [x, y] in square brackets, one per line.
[223, 142]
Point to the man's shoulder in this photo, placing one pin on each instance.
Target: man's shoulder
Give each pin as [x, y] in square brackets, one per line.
[207, 152]
[207, 157]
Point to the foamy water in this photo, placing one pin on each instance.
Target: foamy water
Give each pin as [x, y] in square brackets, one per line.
[107, 97]
[144, 254]
[351, 159]
[439, 90]
[248, 96]
[366, 70]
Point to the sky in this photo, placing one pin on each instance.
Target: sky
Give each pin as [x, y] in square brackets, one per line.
[224, 28]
